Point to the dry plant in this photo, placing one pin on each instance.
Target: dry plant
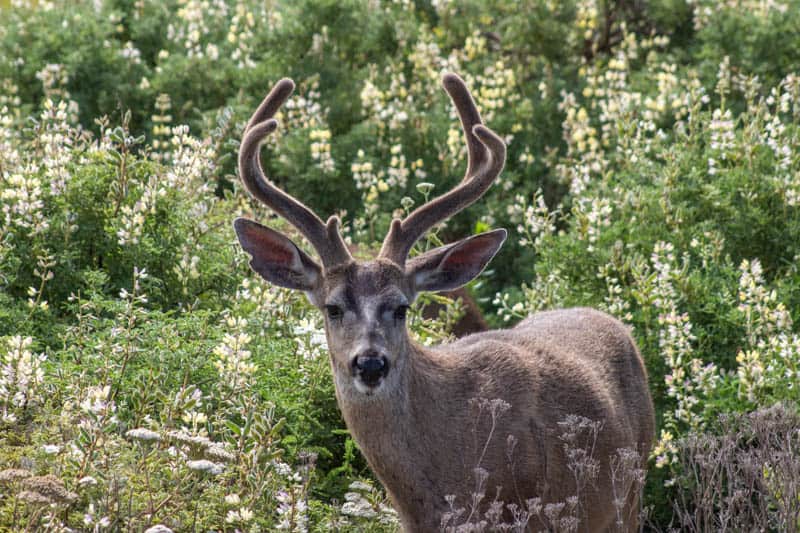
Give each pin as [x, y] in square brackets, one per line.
[743, 477]
[579, 436]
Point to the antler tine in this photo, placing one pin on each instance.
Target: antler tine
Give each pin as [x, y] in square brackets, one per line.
[486, 158]
[324, 237]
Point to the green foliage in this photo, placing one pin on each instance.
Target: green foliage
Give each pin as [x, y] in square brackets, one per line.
[652, 172]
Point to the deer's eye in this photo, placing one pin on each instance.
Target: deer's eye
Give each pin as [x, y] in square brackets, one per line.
[401, 312]
[334, 312]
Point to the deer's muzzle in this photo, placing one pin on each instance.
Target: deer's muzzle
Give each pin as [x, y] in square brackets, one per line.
[370, 368]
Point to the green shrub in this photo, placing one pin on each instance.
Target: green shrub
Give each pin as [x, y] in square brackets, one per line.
[652, 172]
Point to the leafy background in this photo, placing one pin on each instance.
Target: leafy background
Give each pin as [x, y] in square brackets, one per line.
[148, 378]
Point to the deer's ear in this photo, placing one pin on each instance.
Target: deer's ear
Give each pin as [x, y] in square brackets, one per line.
[449, 267]
[277, 258]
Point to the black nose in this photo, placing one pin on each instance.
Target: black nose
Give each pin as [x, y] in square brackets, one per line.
[371, 367]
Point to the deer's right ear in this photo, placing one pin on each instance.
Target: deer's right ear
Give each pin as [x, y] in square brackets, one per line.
[276, 258]
[451, 266]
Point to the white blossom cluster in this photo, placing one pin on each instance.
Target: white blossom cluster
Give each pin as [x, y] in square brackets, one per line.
[590, 216]
[364, 501]
[722, 137]
[584, 159]
[292, 510]
[232, 360]
[192, 161]
[192, 27]
[54, 78]
[303, 111]
[688, 378]
[56, 138]
[276, 307]
[705, 10]
[535, 220]
[772, 355]
[23, 200]
[321, 149]
[21, 375]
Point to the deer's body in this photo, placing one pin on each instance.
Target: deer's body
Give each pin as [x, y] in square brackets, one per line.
[412, 410]
[554, 364]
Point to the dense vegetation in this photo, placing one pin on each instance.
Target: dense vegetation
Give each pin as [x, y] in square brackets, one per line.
[149, 380]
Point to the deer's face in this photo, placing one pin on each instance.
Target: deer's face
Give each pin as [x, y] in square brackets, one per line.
[365, 306]
[365, 303]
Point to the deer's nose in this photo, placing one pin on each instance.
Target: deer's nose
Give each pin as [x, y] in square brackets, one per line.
[370, 367]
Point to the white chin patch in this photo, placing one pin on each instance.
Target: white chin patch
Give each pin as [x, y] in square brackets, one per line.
[364, 389]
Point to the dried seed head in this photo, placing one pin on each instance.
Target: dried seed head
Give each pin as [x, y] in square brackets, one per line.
[50, 487]
[87, 480]
[11, 475]
[34, 498]
[552, 511]
[218, 453]
[204, 465]
[193, 440]
[143, 434]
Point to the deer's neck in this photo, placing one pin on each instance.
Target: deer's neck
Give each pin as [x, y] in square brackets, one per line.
[400, 436]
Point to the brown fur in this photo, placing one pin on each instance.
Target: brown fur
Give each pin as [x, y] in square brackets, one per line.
[410, 408]
[419, 439]
[471, 321]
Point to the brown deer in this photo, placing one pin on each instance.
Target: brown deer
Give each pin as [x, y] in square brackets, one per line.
[411, 408]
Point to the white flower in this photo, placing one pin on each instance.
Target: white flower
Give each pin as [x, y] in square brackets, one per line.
[143, 434]
[218, 452]
[87, 480]
[242, 515]
[158, 528]
[21, 374]
[96, 400]
[360, 485]
[193, 440]
[204, 465]
[357, 506]
[51, 449]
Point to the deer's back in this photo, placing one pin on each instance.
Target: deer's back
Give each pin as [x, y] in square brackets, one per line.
[565, 359]
[555, 364]
[602, 346]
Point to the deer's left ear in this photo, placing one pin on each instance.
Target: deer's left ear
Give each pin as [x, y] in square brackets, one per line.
[449, 267]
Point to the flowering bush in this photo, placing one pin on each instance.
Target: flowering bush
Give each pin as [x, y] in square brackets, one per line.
[148, 381]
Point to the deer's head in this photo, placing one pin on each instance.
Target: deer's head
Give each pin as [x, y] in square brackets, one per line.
[365, 303]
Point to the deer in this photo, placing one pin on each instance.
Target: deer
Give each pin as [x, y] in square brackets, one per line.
[410, 408]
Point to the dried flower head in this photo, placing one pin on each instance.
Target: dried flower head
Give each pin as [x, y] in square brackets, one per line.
[87, 481]
[204, 465]
[11, 475]
[51, 487]
[34, 497]
[143, 434]
[193, 440]
[219, 453]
